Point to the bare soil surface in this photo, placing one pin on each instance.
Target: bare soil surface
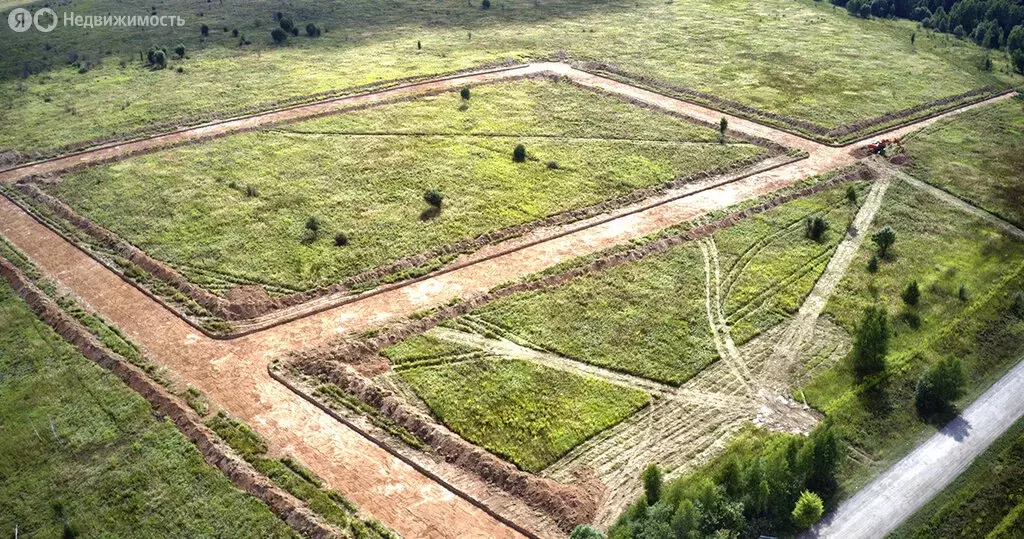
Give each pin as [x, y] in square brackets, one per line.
[233, 374]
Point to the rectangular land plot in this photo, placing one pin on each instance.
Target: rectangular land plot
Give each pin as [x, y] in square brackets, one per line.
[649, 318]
[238, 206]
[977, 156]
[806, 60]
[527, 413]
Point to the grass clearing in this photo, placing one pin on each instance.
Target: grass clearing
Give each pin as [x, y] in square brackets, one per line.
[803, 59]
[943, 249]
[106, 466]
[977, 156]
[986, 500]
[527, 413]
[189, 206]
[648, 317]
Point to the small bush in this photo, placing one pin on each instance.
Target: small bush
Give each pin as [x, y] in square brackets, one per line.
[585, 532]
[251, 191]
[883, 240]
[871, 342]
[295, 31]
[278, 35]
[652, 483]
[312, 30]
[940, 385]
[419, 45]
[912, 294]
[204, 30]
[465, 93]
[486, 4]
[159, 59]
[180, 50]
[286, 25]
[808, 510]
[519, 154]
[815, 228]
[434, 198]
[234, 33]
[873, 264]
[553, 165]
[313, 225]
[963, 293]
[341, 239]
[851, 195]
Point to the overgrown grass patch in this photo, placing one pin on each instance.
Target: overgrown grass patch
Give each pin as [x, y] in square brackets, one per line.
[649, 317]
[81, 451]
[803, 59]
[527, 413]
[978, 156]
[986, 500]
[179, 205]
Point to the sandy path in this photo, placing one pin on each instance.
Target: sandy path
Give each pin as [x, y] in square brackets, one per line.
[233, 373]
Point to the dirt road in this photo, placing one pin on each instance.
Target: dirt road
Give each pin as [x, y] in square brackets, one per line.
[896, 494]
[233, 373]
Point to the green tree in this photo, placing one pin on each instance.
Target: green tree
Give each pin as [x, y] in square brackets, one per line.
[808, 510]
[884, 239]
[585, 532]
[204, 30]
[1015, 46]
[180, 50]
[723, 125]
[686, 520]
[873, 264]
[434, 198]
[912, 294]
[815, 228]
[464, 92]
[278, 35]
[652, 483]
[940, 385]
[851, 194]
[519, 153]
[871, 342]
[286, 25]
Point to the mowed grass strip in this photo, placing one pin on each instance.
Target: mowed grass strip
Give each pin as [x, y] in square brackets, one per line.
[649, 317]
[945, 250]
[978, 156]
[803, 59]
[239, 205]
[529, 414]
[80, 453]
[986, 500]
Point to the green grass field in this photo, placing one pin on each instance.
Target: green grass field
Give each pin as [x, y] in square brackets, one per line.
[978, 156]
[986, 500]
[943, 249]
[649, 318]
[527, 413]
[189, 207]
[82, 453]
[807, 60]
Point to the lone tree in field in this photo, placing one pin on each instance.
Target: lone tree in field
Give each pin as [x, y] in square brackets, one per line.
[278, 35]
[883, 240]
[871, 342]
[519, 154]
[464, 93]
[940, 385]
[815, 228]
[652, 483]
[434, 198]
[180, 50]
[912, 294]
[722, 126]
[808, 510]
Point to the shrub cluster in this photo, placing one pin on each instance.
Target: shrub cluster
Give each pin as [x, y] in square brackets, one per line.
[776, 492]
[815, 228]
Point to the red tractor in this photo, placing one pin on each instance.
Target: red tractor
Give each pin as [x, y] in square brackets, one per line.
[879, 147]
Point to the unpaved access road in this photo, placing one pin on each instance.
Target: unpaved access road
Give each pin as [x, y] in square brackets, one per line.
[896, 494]
[233, 374]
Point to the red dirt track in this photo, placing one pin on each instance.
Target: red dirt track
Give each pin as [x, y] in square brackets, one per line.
[233, 373]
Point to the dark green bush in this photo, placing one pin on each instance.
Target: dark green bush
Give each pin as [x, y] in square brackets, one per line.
[912, 294]
[871, 342]
[204, 30]
[519, 154]
[940, 385]
[434, 198]
[286, 25]
[815, 228]
[278, 35]
[341, 239]
[486, 4]
[464, 93]
[180, 50]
